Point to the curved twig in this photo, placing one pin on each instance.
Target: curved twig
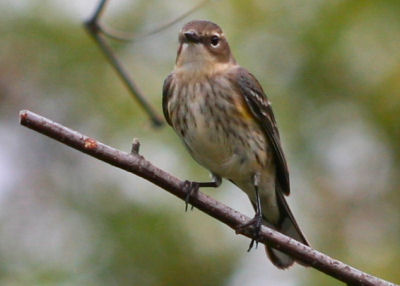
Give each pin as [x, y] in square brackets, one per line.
[127, 37]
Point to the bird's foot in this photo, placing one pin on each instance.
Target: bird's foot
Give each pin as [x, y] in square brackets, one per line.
[255, 226]
[190, 188]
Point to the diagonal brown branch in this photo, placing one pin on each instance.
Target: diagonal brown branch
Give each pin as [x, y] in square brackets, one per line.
[137, 164]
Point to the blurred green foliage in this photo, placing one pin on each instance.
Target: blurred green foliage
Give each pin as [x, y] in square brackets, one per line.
[332, 71]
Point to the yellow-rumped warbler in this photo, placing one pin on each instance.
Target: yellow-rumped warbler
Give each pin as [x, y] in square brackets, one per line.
[226, 122]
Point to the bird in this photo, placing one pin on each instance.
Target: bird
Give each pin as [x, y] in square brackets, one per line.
[225, 120]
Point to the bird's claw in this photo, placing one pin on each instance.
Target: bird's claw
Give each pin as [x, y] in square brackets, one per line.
[255, 226]
[190, 188]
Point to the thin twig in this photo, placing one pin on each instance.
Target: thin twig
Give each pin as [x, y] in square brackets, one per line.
[126, 36]
[138, 165]
[99, 10]
[93, 28]
[135, 146]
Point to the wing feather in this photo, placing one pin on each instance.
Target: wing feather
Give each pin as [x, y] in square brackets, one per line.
[166, 95]
[260, 108]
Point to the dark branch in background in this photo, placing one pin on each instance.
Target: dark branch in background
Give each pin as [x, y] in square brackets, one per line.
[93, 27]
[99, 31]
[138, 165]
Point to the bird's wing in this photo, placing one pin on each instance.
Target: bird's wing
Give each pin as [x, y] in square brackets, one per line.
[260, 107]
[165, 97]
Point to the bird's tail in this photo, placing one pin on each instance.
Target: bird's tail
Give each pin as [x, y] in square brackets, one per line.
[288, 226]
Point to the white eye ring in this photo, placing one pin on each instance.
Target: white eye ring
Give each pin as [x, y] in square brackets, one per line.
[215, 40]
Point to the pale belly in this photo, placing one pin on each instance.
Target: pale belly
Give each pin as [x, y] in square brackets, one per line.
[227, 157]
[218, 154]
[214, 141]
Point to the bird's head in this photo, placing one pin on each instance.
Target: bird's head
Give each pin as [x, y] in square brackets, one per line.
[203, 48]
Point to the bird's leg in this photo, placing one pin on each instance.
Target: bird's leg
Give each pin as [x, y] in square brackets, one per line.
[256, 221]
[192, 187]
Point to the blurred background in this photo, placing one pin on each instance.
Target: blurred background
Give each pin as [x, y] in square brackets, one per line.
[332, 72]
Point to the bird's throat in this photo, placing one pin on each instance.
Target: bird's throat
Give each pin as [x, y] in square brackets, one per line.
[195, 62]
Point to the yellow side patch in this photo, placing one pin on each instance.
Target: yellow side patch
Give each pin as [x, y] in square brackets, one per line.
[243, 109]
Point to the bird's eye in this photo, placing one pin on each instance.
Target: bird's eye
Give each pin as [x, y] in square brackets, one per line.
[214, 41]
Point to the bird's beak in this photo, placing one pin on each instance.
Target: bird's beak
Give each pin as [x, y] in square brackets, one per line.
[191, 37]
